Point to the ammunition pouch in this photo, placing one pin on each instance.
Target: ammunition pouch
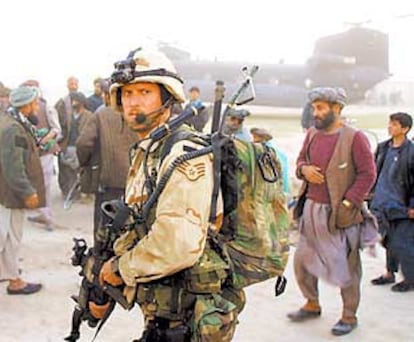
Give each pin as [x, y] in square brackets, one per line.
[208, 274]
[174, 297]
[162, 299]
[214, 319]
[179, 316]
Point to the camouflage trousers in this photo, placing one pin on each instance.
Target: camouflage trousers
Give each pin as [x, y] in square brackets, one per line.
[190, 317]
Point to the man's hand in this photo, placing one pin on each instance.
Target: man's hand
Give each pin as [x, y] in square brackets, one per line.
[411, 213]
[312, 174]
[107, 275]
[98, 311]
[50, 136]
[48, 142]
[31, 202]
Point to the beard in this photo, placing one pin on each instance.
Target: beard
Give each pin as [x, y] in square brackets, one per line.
[33, 119]
[326, 121]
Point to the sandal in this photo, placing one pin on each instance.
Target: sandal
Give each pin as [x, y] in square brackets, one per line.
[303, 315]
[343, 328]
[28, 289]
[403, 286]
[383, 280]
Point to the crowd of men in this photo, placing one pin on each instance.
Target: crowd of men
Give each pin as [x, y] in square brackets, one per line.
[90, 134]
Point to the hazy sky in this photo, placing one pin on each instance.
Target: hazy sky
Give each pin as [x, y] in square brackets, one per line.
[50, 40]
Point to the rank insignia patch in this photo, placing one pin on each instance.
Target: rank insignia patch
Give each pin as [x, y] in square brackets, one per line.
[192, 171]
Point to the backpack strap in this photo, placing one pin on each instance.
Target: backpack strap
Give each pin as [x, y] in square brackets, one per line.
[159, 154]
[152, 200]
[175, 137]
[162, 152]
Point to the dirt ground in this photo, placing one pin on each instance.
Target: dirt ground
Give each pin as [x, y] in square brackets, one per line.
[46, 316]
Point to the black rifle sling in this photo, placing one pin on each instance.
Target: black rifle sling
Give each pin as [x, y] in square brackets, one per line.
[216, 144]
[218, 101]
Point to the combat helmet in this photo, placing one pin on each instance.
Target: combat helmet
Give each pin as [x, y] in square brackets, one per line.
[145, 65]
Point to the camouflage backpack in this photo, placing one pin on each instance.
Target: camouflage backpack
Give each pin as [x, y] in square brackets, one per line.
[254, 235]
[255, 226]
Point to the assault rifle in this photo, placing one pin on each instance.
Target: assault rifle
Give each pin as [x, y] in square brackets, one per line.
[91, 259]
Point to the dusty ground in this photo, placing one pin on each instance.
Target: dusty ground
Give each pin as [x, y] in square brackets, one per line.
[383, 315]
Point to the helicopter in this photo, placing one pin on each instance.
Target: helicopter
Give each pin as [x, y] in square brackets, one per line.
[356, 59]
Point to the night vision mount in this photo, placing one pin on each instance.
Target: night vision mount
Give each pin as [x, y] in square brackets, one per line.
[125, 70]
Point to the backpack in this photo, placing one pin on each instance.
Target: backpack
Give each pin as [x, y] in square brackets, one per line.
[254, 235]
[256, 221]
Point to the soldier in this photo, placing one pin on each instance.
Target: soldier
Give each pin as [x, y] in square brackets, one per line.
[338, 170]
[21, 183]
[102, 148]
[175, 308]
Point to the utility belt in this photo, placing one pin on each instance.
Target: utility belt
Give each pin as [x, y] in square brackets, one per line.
[172, 297]
[193, 300]
[189, 306]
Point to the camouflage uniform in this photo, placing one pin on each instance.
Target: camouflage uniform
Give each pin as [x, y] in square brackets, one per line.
[181, 218]
[168, 263]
